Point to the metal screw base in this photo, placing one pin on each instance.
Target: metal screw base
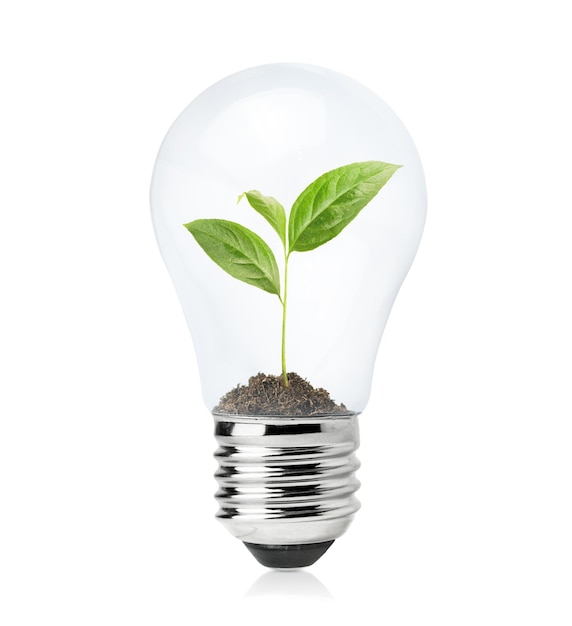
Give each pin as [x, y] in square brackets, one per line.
[287, 484]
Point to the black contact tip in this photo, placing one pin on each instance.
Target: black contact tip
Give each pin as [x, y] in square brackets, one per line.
[288, 556]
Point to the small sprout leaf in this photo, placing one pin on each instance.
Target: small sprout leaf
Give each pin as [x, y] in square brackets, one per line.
[270, 209]
[238, 251]
[333, 200]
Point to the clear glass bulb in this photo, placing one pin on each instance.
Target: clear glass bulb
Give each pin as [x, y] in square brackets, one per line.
[275, 129]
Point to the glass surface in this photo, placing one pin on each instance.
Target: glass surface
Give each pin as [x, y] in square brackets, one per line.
[276, 128]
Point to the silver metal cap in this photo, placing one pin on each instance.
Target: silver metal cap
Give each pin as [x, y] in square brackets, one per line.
[287, 484]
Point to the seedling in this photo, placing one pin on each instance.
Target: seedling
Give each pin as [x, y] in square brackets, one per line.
[319, 214]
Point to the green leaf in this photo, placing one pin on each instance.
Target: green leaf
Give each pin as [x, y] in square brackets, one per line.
[270, 209]
[238, 251]
[333, 200]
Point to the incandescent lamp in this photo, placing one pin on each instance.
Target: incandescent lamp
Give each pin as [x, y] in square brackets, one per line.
[287, 291]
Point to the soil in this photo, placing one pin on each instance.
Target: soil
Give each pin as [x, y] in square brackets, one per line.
[267, 395]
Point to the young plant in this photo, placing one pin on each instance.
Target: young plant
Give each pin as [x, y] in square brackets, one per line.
[319, 214]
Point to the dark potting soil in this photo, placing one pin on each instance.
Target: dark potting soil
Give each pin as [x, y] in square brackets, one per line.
[267, 395]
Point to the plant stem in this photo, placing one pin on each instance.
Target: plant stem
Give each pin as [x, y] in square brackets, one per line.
[284, 302]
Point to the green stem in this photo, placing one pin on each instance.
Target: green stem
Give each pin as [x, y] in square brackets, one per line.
[284, 302]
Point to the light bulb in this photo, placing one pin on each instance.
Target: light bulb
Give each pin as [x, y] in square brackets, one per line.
[294, 282]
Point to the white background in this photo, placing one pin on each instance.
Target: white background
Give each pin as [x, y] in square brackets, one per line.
[106, 487]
